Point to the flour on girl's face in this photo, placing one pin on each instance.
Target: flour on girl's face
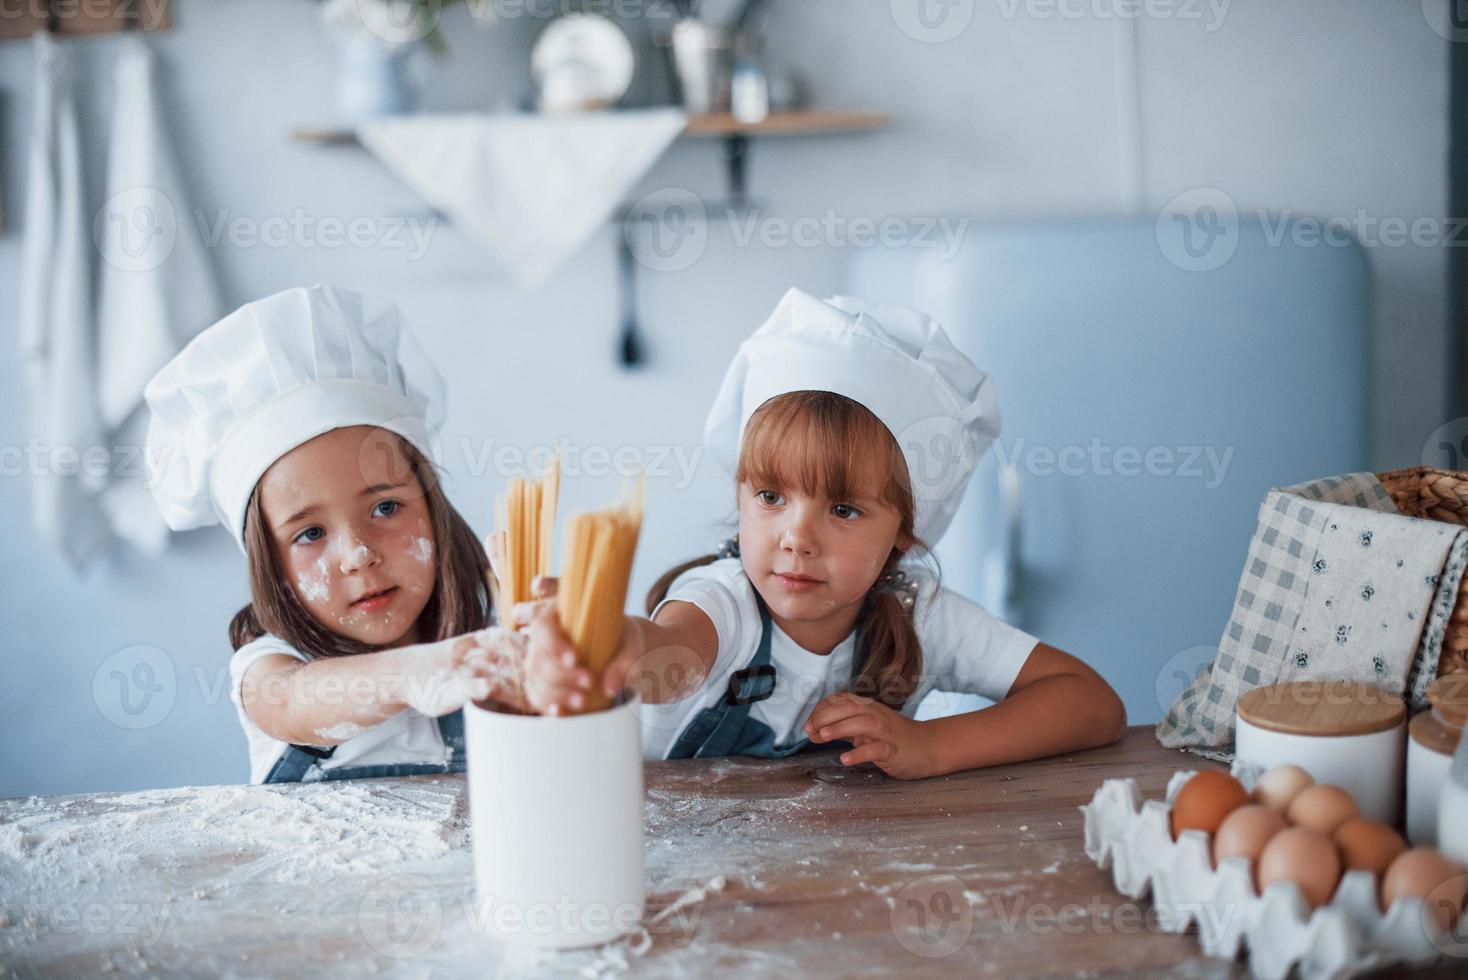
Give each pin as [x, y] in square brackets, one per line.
[357, 556]
[422, 550]
[314, 588]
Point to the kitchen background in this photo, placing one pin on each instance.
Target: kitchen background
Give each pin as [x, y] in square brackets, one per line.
[1003, 112]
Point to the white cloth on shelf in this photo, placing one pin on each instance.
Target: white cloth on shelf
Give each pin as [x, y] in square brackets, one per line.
[157, 288]
[56, 321]
[532, 189]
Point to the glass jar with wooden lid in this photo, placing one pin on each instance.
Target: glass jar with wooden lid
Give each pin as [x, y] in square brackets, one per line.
[1340, 732]
[1432, 738]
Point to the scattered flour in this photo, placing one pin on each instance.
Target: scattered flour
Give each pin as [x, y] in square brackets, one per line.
[299, 833]
[909, 866]
[491, 667]
[341, 731]
[313, 588]
[354, 557]
[614, 958]
[310, 854]
[422, 550]
[445, 691]
[691, 897]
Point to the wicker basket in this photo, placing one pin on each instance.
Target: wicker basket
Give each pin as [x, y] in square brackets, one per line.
[1438, 495]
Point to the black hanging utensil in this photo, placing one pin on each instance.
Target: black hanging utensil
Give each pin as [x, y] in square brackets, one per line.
[630, 347]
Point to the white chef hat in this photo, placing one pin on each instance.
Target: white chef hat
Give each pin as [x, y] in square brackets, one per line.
[896, 362]
[270, 376]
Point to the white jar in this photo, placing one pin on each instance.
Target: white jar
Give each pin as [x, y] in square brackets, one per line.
[1452, 808]
[1343, 733]
[1433, 736]
[556, 816]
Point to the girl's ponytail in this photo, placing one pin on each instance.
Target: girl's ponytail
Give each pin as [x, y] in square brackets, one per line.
[245, 627]
[891, 654]
[659, 590]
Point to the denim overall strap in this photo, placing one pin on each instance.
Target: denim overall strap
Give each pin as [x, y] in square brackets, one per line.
[297, 760]
[715, 730]
[725, 728]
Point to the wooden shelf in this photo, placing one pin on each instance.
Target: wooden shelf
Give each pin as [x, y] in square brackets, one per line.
[69, 18]
[797, 123]
[802, 122]
[736, 139]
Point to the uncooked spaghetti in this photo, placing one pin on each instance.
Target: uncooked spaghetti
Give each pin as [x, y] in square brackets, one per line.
[596, 566]
[525, 520]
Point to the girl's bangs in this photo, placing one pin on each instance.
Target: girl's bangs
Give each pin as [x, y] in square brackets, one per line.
[823, 445]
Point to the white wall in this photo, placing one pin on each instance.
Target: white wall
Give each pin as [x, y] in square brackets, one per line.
[1315, 105]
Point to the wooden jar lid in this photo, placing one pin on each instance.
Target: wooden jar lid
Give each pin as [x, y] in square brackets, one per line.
[1448, 696]
[1322, 708]
[1432, 734]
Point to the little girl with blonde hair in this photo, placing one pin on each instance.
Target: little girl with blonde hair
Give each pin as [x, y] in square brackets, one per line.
[851, 430]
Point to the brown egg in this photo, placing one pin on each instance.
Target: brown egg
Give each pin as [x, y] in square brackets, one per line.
[1366, 845]
[1277, 787]
[1244, 833]
[1322, 808]
[1428, 874]
[1205, 800]
[1308, 859]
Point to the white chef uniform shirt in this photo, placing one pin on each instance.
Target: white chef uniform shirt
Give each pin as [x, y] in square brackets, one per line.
[407, 737]
[965, 650]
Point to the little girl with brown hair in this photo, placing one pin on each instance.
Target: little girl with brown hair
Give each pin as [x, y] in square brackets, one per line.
[304, 423]
[851, 430]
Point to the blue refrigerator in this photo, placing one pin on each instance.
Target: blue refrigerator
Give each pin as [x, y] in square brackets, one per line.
[1148, 405]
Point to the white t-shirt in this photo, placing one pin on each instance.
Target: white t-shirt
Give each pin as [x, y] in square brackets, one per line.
[965, 650]
[407, 737]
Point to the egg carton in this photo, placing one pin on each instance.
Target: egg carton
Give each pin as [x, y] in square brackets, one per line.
[1347, 937]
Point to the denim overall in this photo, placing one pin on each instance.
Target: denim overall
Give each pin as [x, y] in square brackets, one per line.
[726, 728]
[297, 760]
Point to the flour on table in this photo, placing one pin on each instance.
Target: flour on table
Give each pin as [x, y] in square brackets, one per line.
[304, 833]
[610, 959]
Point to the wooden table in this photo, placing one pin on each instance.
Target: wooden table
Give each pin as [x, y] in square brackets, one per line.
[826, 871]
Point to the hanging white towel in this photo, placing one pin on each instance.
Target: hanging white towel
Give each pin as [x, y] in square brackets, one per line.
[530, 188]
[56, 322]
[157, 287]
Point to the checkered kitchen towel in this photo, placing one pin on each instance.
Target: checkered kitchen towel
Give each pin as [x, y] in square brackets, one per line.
[1337, 585]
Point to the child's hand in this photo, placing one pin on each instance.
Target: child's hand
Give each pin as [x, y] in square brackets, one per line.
[543, 588]
[555, 681]
[898, 745]
[438, 678]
